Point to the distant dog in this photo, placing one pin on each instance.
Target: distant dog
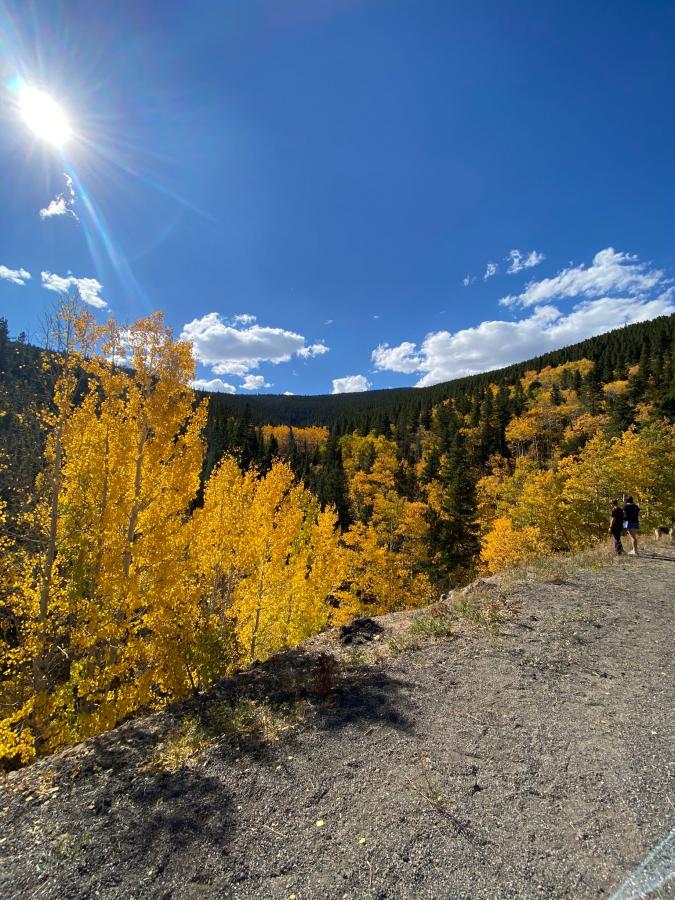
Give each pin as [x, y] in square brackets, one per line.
[666, 531]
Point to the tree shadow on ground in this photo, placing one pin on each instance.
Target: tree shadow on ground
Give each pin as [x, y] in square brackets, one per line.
[327, 694]
[332, 693]
[167, 812]
[160, 816]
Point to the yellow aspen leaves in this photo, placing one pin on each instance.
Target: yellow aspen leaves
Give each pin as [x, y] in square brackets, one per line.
[566, 507]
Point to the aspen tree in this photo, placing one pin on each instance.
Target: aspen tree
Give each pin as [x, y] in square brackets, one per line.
[269, 559]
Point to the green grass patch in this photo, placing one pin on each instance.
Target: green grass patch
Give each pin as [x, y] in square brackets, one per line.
[434, 626]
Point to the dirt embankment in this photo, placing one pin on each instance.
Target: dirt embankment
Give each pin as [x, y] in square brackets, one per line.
[533, 758]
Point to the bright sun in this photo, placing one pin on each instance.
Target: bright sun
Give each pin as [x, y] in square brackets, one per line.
[44, 116]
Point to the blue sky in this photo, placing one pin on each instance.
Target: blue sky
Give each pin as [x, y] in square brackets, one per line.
[349, 173]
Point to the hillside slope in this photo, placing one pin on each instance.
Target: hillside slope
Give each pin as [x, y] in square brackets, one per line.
[530, 762]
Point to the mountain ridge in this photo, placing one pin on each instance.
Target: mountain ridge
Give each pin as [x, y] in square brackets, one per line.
[606, 350]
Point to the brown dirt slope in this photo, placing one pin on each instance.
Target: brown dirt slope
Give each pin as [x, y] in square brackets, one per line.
[533, 759]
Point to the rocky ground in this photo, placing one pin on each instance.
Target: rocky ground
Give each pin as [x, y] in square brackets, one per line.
[517, 742]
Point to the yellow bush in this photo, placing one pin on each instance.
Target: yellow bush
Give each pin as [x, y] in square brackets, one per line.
[506, 546]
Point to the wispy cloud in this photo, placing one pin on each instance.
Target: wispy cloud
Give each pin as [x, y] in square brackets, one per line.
[88, 289]
[611, 272]
[350, 384]
[468, 279]
[519, 261]
[63, 204]
[490, 270]
[16, 276]
[254, 383]
[216, 385]
[231, 350]
[313, 350]
[244, 319]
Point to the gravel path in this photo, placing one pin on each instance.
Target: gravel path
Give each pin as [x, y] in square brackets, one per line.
[534, 762]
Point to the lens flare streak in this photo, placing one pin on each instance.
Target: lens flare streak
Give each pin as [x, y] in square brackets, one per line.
[657, 869]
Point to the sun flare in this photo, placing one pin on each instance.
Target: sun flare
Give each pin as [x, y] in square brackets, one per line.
[44, 116]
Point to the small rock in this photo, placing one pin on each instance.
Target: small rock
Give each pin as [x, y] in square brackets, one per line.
[360, 631]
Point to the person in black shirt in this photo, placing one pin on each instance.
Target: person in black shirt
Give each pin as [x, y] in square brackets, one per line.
[615, 526]
[631, 514]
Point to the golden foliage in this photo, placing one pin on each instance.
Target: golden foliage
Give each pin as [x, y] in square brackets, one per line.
[550, 375]
[568, 505]
[506, 546]
[309, 438]
[268, 559]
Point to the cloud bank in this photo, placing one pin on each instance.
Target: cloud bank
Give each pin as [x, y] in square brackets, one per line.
[643, 293]
[611, 272]
[235, 347]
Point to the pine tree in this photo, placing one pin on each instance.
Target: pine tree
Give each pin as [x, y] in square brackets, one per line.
[503, 415]
[518, 399]
[592, 384]
[4, 345]
[453, 540]
[333, 489]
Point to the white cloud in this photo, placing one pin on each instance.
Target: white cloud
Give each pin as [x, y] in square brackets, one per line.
[328, 322]
[229, 350]
[244, 319]
[254, 383]
[214, 384]
[518, 261]
[490, 270]
[89, 289]
[289, 394]
[313, 350]
[350, 384]
[397, 359]
[56, 207]
[612, 272]
[491, 345]
[468, 279]
[63, 204]
[16, 276]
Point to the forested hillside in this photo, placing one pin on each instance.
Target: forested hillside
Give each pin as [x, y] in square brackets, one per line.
[153, 540]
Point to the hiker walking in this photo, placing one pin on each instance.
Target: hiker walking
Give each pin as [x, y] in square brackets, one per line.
[616, 526]
[631, 516]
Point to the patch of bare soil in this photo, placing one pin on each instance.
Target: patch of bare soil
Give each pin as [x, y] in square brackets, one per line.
[529, 758]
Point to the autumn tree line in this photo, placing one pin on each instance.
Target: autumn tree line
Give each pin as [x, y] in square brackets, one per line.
[151, 543]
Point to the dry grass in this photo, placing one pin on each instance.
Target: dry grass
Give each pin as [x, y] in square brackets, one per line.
[557, 568]
[258, 721]
[182, 747]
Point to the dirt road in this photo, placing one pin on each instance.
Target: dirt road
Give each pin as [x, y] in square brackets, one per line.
[536, 761]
